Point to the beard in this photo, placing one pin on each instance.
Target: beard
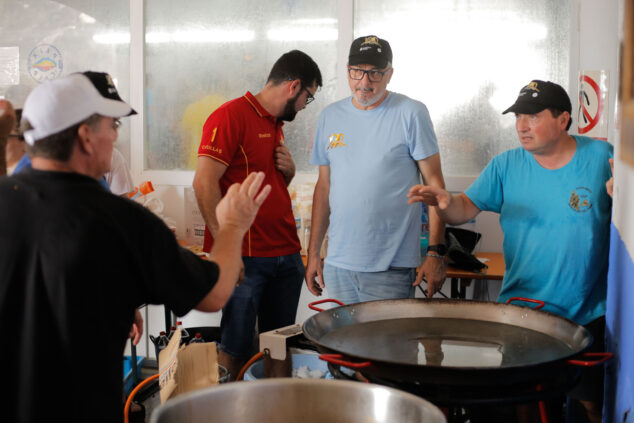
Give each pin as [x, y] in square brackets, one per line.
[289, 112]
[367, 101]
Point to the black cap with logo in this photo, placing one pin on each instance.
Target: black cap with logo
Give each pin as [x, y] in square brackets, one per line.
[370, 50]
[540, 95]
[105, 85]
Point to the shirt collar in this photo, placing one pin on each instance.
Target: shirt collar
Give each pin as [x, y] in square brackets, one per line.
[261, 111]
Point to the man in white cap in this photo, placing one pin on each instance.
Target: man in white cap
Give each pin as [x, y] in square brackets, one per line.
[78, 261]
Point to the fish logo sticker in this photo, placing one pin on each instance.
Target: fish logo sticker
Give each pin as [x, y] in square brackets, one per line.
[45, 62]
[580, 199]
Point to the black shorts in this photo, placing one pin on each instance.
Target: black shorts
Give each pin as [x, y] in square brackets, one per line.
[590, 386]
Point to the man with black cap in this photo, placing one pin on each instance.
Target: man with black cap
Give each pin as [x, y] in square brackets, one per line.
[370, 148]
[554, 212]
[77, 261]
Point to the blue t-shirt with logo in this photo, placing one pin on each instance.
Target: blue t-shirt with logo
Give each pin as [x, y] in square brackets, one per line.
[372, 156]
[556, 226]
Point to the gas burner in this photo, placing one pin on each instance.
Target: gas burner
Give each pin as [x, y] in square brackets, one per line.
[474, 404]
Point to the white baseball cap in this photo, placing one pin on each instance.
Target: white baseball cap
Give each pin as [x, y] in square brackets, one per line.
[61, 103]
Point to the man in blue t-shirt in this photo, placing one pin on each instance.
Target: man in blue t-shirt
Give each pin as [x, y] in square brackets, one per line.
[554, 212]
[370, 148]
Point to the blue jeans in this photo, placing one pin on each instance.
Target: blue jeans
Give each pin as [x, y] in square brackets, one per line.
[352, 287]
[270, 292]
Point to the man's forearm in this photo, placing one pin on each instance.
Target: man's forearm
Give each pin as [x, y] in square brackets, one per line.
[460, 210]
[227, 252]
[319, 218]
[208, 199]
[436, 227]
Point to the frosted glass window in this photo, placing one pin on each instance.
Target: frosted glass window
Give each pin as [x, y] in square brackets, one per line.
[57, 38]
[202, 55]
[467, 62]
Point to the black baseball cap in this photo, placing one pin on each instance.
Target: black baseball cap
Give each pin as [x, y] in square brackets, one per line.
[370, 50]
[105, 85]
[539, 95]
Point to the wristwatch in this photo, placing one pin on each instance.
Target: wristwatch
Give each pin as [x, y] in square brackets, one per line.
[441, 249]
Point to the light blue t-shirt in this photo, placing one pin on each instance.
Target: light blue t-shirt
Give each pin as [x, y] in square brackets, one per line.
[372, 157]
[556, 226]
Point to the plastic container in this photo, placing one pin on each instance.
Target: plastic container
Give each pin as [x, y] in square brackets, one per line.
[143, 189]
[127, 372]
[209, 334]
[256, 370]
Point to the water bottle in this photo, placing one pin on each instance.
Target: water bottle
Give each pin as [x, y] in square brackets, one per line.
[196, 339]
[162, 341]
[424, 235]
[184, 334]
[172, 332]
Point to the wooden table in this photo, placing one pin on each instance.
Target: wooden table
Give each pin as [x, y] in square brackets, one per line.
[460, 279]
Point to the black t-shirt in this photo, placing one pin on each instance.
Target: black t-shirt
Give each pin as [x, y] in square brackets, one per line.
[75, 262]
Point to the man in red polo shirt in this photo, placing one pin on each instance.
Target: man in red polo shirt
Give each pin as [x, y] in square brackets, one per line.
[242, 136]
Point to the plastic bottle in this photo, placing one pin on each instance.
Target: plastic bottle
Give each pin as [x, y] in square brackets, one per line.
[162, 341]
[184, 334]
[196, 339]
[172, 332]
[143, 189]
[424, 234]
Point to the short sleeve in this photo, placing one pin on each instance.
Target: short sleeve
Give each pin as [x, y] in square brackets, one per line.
[221, 136]
[421, 135]
[486, 191]
[319, 154]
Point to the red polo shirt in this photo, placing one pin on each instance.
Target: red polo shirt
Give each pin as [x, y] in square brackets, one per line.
[242, 135]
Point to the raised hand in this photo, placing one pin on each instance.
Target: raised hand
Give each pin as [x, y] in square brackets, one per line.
[241, 203]
[430, 195]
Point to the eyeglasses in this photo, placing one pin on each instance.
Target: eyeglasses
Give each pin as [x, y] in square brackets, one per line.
[309, 97]
[373, 74]
[116, 124]
[19, 137]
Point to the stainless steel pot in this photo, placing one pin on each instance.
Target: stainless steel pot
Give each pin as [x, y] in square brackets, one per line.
[288, 400]
[448, 342]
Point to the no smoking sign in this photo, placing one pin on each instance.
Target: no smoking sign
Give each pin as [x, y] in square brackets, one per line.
[592, 114]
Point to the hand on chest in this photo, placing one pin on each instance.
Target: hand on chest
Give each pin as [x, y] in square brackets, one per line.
[258, 148]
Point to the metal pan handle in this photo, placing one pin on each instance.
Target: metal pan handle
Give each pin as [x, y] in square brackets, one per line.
[528, 300]
[606, 356]
[327, 300]
[338, 359]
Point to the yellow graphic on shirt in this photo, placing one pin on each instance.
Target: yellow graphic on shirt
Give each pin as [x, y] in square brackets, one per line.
[579, 199]
[213, 135]
[336, 140]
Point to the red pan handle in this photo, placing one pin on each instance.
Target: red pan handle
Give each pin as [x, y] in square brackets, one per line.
[528, 300]
[337, 359]
[327, 300]
[606, 356]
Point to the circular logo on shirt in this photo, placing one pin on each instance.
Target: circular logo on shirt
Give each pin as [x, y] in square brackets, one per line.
[580, 199]
[45, 63]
